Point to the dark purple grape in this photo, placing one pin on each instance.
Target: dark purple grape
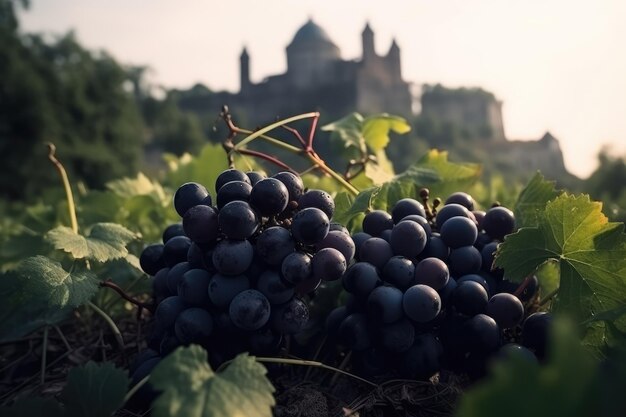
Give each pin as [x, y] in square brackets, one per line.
[396, 337]
[318, 199]
[308, 286]
[173, 230]
[446, 292]
[237, 220]
[421, 221]
[269, 197]
[421, 303]
[432, 272]
[274, 244]
[535, 333]
[458, 231]
[232, 257]
[488, 254]
[175, 274]
[384, 304]
[249, 310]
[228, 176]
[359, 238]
[338, 240]
[193, 287]
[386, 235]
[328, 264]
[222, 289]
[470, 298]
[354, 332]
[296, 268]
[200, 224]
[448, 211]
[360, 279]
[291, 317]
[483, 334]
[464, 260]
[479, 215]
[151, 259]
[334, 319]
[255, 177]
[406, 207]
[423, 359]
[193, 325]
[143, 356]
[274, 288]
[506, 309]
[399, 272]
[338, 227]
[168, 310]
[293, 182]
[159, 284]
[375, 251]
[436, 248]
[499, 222]
[513, 350]
[376, 221]
[195, 255]
[310, 226]
[233, 191]
[175, 250]
[408, 239]
[146, 393]
[461, 198]
[476, 278]
[188, 195]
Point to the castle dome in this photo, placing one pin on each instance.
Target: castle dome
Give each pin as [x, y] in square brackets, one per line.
[309, 33]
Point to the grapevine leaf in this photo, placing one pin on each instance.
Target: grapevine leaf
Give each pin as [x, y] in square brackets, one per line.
[380, 171]
[376, 130]
[561, 387]
[33, 407]
[590, 251]
[106, 241]
[130, 187]
[532, 200]
[348, 131]
[40, 292]
[95, 390]
[191, 388]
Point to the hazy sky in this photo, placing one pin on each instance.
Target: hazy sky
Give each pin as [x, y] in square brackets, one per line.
[558, 65]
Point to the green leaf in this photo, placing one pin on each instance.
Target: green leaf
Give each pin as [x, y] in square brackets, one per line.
[130, 187]
[105, 241]
[95, 390]
[33, 407]
[376, 130]
[564, 386]
[348, 131]
[191, 388]
[40, 292]
[591, 255]
[532, 200]
[379, 171]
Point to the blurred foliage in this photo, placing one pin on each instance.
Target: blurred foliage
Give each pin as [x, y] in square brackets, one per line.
[608, 184]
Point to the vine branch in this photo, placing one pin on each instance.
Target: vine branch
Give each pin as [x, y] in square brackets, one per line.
[110, 284]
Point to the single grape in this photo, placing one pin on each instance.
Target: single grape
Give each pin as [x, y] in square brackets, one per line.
[436, 248]
[255, 177]
[396, 337]
[274, 244]
[506, 309]
[188, 195]
[461, 198]
[360, 279]
[399, 272]
[513, 350]
[386, 235]
[470, 298]
[446, 292]
[421, 221]
[376, 251]
[222, 289]
[173, 230]
[359, 238]
[175, 275]
[408, 239]
[328, 264]
[237, 220]
[146, 393]
[175, 250]
[269, 197]
[296, 268]
[376, 221]
[193, 287]
[476, 278]
[458, 231]
[318, 199]
[499, 222]
[421, 303]
[406, 207]
[338, 227]
[274, 288]
[334, 319]
[151, 259]
[193, 325]
[423, 359]
[310, 226]
[339, 240]
[159, 284]
[293, 182]
[232, 257]
[228, 176]
[354, 332]
[432, 272]
[200, 224]
[448, 211]
[464, 260]
[384, 304]
[233, 191]
[168, 310]
[249, 310]
[535, 333]
[483, 333]
[291, 317]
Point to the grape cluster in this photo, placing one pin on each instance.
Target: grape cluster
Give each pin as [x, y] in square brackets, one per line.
[232, 275]
[422, 295]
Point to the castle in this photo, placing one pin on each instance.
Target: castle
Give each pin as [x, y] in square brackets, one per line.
[317, 78]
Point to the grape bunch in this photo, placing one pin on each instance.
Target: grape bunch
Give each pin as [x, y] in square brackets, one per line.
[422, 294]
[232, 275]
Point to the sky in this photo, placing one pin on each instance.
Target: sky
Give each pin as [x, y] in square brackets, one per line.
[558, 65]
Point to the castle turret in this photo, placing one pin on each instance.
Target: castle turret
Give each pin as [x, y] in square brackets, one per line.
[393, 61]
[367, 37]
[244, 70]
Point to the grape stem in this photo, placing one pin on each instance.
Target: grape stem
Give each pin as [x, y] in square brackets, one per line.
[111, 323]
[518, 292]
[110, 284]
[66, 184]
[549, 296]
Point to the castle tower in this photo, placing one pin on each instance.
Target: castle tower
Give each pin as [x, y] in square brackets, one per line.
[393, 61]
[244, 70]
[367, 37]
